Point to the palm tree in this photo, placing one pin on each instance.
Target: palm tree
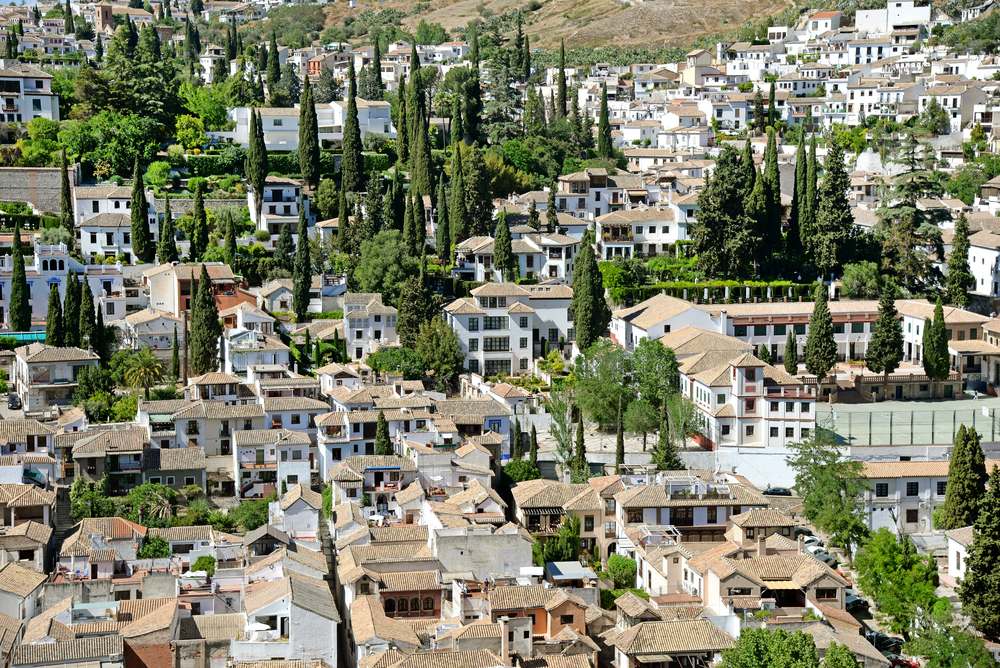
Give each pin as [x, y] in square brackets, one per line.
[143, 370]
[160, 507]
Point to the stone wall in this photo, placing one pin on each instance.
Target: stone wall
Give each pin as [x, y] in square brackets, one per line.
[42, 186]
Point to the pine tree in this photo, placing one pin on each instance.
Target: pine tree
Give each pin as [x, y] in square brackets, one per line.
[665, 456]
[205, 328]
[66, 203]
[20, 307]
[284, 249]
[199, 226]
[935, 348]
[308, 138]
[605, 145]
[821, 349]
[793, 239]
[352, 165]
[791, 352]
[71, 311]
[833, 220]
[885, 349]
[533, 447]
[443, 238]
[142, 245]
[54, 318]
[551, 214]
[960, 279]
[273, 65]
[591, 314]
[561, 84]
[966, 482]
[383, 446]
[459, 218]
[302, 271]
[763, 354]
[503, 255]
[979, 592]
[175, 358]
[88, 309]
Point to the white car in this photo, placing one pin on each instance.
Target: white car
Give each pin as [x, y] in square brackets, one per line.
[815, 549]
[812, 540]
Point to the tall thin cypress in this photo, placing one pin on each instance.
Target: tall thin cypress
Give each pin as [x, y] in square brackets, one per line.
[205, 328]
[167, 248]
[561, 83]
[343, 223]
[302, 272]
[308, 137]
[808, 207]
[793, 239]
[66, 202]
[403, 128]
[273, 65]
[175, 358]
[199, 226]
[71, 311]
[54, 318]
[352, 166]
[20, 307]
[88, 328]
[605, 146]
[142, 245]
[459, 218]
[443, 238]
[256, 162]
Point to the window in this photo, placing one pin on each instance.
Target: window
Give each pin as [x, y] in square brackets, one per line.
[805, 432]
[713, 515]
[473, 345]
[36, 105]
[110, 310]
[838, 328]
[725, 430]
[296, 455]
[750, 532]
[774, 432]
[170, 480]
[805, 407]
[826, 594]
[523, 322]
[942, 487]
[495, 322]
[749, 431]
[800, 329]
[740, 330]
[292, 479]
[277, 122]
[524, 363]
[775, 406]
[494, 344]
[189, 480]
[565, 619]
[524, 342]
[760, 330]
[857, 328]
[752, 375]
[247, 425]
[779, 330]
[634, 516]
[751, 405]
[588, 523]
[789, 432]
[638, 229]
[720, 398]
[473, 366]
[473, 324]
[912, 516]
[912, 488]
[553, 334]
[296, 418]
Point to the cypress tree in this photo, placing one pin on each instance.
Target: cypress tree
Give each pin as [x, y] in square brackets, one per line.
[352, 165]
[821, 349]
[534, 219]
[220, 71]
[395, 207]
[273, 66]
[411, 226]
[551, 215]
[748, 173]
[402, 128]
[87, 311]
[935, 348]
[416, 307]
[771, 238]
[526, 59]
[343, 224]
[960, 279]
[885, 349]
[590, 311]
[474, 93]
[374, 218]
[383, 446]
[71, 311]
[503, 254]
[456, 121]
[979, 592]
[302, 272]
[54, 318]
[793, 239]
[199, 227]
[791, 352]
[421, 183]
[99, 342]
[772, 113]
[308, 138]
[142, 246]
[832, 218]
[66, 220]
[443, 239]
[561, 84]
[580, 453]
[205, 328]
[229, 252]
[619, 442]
[284, 249]
[807, 218]
[175, 358]
[256, 162]
[459, 218]
[20, 307]
[605, 145]
[966, 482]
[533, 447]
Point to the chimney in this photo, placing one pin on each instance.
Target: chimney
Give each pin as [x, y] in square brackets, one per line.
[504, 641]
[761, 545]
[567, 476]
[802, 547]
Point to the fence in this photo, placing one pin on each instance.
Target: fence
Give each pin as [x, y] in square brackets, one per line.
[895, 427]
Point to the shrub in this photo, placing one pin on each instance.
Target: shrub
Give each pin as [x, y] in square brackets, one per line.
[623, 571]
[608, 596]
[262, 235]
[204, 563]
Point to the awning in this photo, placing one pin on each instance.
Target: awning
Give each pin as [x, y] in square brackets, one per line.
[654, 658]
[780, 584]
[551, 510]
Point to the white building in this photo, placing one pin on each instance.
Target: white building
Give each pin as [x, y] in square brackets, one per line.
[903, 495]
[897, 13]
[280, 207]
[959, 542]
[655, 317]
[241, 348]
[27, 93]
[539, 257]
[638, 232]
[368, 324]
[44, 375]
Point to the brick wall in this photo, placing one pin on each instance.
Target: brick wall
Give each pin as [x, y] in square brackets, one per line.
[148, 656]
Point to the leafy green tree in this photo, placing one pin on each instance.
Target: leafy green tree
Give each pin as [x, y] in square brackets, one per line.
[837, 655]
[328, 87]
[934, 119]
[252, 514]
[605, 144]
[551, 214]
[416, 307]
[807, 215]
[205, 329]
[890, 571]
[229, 252]
[520, 470]
[656, 372]
[370, 86]
[821, 348]
[156, 547]
[831, 486]
[960, 279]
[54, 318]
[791, 353]
[438, 346]
[772, 114]
[403, 361]
[604, 381]
[273, 64]
[665, 455]
[443, 239]
[944, 642]
[759, 117]
[770, 232]
[641, 418]
[20, 307]
[966, 482]
[302, 271]
[776, 648]
[144, 370]
[885, 349]
[383, 446]
[936, 360]
[309, 138]
[862, 280]
[721, 233]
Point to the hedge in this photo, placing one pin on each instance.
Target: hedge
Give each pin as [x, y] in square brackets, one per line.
[29, 221]
[716, 291]
[232, 160]
[459, 288]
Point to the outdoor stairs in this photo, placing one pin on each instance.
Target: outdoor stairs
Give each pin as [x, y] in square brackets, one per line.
[63, 520]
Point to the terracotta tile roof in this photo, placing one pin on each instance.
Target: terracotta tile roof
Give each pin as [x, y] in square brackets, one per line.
[218, 410]
[962, 536]
[38, 627]
[410, 533]
[346, 513]
[135, 609]
[266, 595]
[699, 635]
[35, 353]
[412, 492]
[20, 581]
[477, 658]
[632, 605]
[269, 437]
[212, 627]
[653, 311]
[31, 496]
[937, 469]
[311, 498]
[156, 620]
[173, 459]
[178, 534]
[69, 651]
[763, 517]
[17, 431]
[524, 597]
[313, 595]
[39, 533]
[824, 636]
[368, 622]
[103, 554]
[280, 404]
[313, 559]
[545, 493]
[112, 440]
[410, 581]
[655, 496]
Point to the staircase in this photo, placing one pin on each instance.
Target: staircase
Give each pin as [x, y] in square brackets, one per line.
[63, 520]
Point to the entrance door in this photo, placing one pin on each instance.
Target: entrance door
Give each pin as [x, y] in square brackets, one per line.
[899, 392]
[379, 477]
[852, 350]
[93, 571]
[260, 456]
[948, 391]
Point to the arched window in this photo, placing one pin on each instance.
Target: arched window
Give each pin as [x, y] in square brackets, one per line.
[428, 603]
[390, 606]
[415, 604]
[404, 606]
[45, 265]
[62, 266]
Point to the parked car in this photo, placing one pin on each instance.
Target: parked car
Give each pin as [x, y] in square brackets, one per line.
[778, 491]
[882, 642]
[903, 663]
[855, 603]
[892, 656]
[812, 540]
[815, 549]
[13, 402]
[846, 579]
[827, 559]
[802, 531]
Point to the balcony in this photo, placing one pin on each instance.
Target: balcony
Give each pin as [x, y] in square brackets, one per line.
[383, 487]
[622, 237]
[125, 467]
[192, 431]
[225, 433]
